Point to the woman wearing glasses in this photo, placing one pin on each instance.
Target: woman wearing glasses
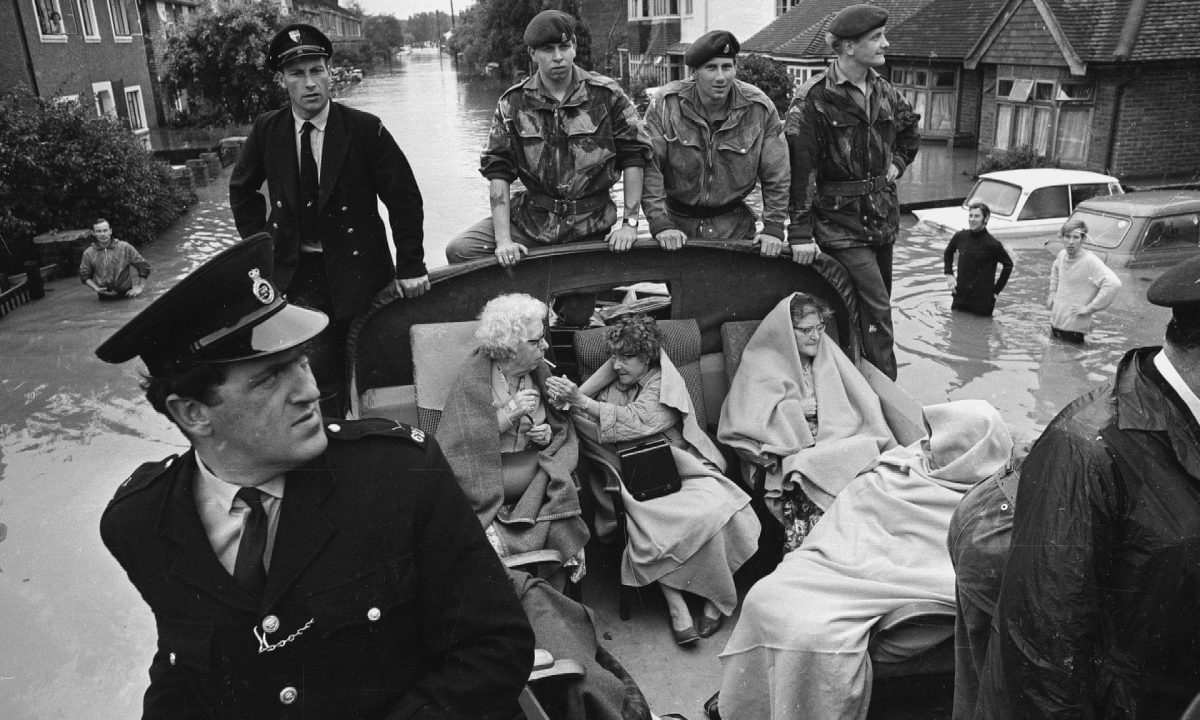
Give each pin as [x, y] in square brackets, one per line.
[799, 410]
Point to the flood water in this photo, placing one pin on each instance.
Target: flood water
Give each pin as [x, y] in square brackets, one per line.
[76, 639]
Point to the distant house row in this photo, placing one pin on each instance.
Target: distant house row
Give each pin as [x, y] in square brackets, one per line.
[108, 54]
[1099, 84]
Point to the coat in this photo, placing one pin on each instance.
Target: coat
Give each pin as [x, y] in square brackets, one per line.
[385, 598]
[360, 165]
[831, 139]
[1098, 607]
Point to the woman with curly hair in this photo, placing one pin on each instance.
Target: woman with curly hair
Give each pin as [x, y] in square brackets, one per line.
[512, 453]
[691, 540]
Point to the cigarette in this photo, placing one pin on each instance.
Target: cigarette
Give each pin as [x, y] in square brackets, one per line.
[552, 365]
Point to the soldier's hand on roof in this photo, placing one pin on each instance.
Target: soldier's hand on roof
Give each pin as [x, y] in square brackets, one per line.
[621, 238]
[671, 239]
[805, 253]
[412, 287]
[768, 245]
[509, 253]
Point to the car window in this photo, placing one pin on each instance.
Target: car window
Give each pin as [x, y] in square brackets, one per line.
[1001, 197]
[1174, 232]
[1086, 191]
[1104, 230]
[1047, 202]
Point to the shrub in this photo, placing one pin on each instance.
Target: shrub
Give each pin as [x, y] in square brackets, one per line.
[770, 76]
[1022, 156]
[61, 166]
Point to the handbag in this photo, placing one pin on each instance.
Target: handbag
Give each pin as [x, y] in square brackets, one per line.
[648, 468]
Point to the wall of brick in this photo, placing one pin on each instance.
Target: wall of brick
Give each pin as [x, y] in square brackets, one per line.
[607, 22]
[1158, 131]
[970, 86]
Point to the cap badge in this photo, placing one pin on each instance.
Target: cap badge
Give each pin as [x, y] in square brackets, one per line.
[565, 39]
[726, 50]
[261, 288]
[294, 35]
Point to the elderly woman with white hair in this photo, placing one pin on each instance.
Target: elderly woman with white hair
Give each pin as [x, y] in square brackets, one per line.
[513, 454]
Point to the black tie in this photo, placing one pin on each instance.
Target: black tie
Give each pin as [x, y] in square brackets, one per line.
[310, 188]
[249, 568]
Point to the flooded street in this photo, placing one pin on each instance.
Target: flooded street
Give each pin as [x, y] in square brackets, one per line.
[77, 639]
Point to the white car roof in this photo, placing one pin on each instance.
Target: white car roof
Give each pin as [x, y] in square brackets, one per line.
[1032, 178]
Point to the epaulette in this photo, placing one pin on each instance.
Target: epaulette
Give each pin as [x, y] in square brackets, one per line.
[143, 476]
[350, 430]
[604, 81]
[809, 84]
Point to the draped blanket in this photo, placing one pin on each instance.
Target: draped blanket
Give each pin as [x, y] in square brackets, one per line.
[763, 417]
[547, 515]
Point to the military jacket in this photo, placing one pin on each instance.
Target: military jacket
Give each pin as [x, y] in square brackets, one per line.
[832, 139]
[573, 151]
[383, 598]
[697, 165]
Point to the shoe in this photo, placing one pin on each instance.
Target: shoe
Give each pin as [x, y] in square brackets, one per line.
[709, 626]
[685, 636]
[711, 710]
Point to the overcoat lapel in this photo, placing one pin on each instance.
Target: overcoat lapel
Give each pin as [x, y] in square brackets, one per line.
[195, 563]
[333, 153]
[284, 146]
[303, 530]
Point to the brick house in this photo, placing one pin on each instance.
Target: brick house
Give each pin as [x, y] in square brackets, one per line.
[88, 51]
[606, 21]
[342, 25]
[159, 20]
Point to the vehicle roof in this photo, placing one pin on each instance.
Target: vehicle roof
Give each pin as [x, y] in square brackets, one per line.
[1031, 178]
[1146, 203]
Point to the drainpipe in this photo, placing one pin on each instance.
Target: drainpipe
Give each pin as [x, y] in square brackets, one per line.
[1115, 124]
[33, 84]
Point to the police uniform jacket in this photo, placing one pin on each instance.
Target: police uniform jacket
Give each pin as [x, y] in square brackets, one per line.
[360, 162]
[383, 598]
[1098, 607]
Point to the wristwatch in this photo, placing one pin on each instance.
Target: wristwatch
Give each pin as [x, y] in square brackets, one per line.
[630, 222]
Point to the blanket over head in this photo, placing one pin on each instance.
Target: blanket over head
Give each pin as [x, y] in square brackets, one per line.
[763, 417]
[547, 515]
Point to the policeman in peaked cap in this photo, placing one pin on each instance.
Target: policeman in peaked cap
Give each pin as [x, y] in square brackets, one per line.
[296, 41]
[290, 562]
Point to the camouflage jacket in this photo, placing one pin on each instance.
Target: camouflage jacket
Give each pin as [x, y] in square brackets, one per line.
[698, 166]
[832, 140]
[573, 151]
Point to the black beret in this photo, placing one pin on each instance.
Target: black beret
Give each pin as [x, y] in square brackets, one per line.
[549, 27]
[857, 20]
[225, 310]
[712, 44]
[297, 41]
[1179, 289]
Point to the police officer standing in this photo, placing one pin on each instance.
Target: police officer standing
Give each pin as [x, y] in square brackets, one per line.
[567, 134]
[714, 136]
[327, 166]
[297, 568]
[851, 135]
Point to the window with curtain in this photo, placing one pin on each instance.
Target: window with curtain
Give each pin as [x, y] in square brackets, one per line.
[931, 91]
[1052, 118]
[1071, 142]
[49, 15]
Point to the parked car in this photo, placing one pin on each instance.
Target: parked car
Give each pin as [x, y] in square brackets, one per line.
[1026, 204]
[1140, 229]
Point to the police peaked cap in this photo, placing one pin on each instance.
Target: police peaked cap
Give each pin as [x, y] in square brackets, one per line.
[857, 20]
[296, 41]
[1179, 289]
[224, 311]
[550, 27]
[712, 44]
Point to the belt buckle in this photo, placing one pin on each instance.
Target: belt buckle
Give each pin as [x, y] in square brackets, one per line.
[564, 207]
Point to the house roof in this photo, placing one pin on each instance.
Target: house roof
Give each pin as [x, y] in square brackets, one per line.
[947, 28]
[801, 30]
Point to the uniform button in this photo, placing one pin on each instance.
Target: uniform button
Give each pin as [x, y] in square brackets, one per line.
[334, 427]
[1003, 506]
[373, 614]
[287, 696]
[345, 208]
[172, 659]
[270, 623]
[349, 231]
[278, 203]
[355, 253]
[275, 225]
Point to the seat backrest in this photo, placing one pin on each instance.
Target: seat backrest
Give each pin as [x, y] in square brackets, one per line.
[439, 351]
[681, 340]
[734, 336]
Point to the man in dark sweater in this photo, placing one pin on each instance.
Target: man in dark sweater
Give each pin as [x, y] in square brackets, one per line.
[976, 287]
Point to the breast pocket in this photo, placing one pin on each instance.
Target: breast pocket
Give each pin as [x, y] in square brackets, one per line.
[376, 609]
[527, 128]
[587, 146]
[187, 645]
[737, 153]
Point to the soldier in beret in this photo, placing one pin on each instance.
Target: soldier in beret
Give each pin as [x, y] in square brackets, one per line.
[851, 135]
[714, 136]
[567, 134]
[327, 166]
[1097, 615]
[295, 567]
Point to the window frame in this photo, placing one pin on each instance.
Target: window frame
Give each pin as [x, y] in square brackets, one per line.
[86, 9]
[127, 36]
[136, 91]
[55, 8]
[99, 87]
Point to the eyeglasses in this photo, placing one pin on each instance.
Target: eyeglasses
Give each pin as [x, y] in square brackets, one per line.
[811, 330]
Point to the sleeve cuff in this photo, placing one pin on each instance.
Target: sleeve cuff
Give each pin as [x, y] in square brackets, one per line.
[773, 229]
[658, 224]
[498, 174]
[631, 161]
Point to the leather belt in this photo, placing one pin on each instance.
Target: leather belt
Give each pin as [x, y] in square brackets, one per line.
[568, 207]
[853, 187]
[701, 211]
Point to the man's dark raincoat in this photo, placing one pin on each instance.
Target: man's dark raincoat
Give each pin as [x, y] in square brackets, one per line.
[1100, 606]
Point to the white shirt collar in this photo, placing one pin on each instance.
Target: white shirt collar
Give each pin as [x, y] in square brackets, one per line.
[1175, 380]
[317, 120]
[216, 488]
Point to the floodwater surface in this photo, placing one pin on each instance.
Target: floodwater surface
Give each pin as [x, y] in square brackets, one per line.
[75, 637]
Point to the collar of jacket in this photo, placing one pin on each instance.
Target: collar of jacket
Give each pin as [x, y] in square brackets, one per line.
[834, 81]
[538, 98]
[690, 104]
[1146, 401]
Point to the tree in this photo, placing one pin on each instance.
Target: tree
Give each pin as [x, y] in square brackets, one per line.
[219, 56]
[494, 30]
[427, 27]
[61, 166]
[770, 76]
[384, 33]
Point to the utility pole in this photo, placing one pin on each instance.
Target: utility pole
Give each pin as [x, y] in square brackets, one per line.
[451, 14]
[437, 19]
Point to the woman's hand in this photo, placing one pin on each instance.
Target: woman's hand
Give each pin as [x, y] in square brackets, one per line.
[526, 401]
[540, 434]
[809, 406]
[562, 390]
